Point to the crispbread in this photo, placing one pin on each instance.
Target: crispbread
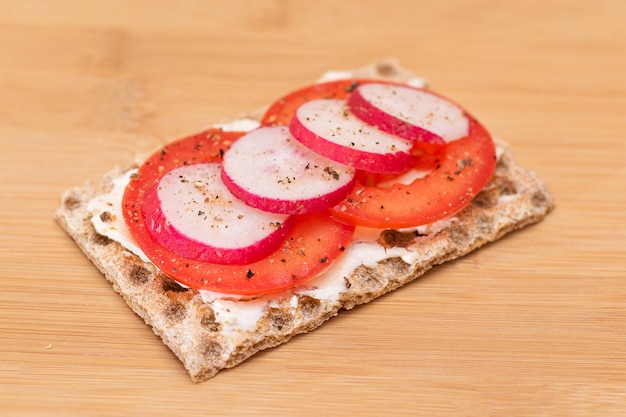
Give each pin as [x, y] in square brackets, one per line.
[188, 325]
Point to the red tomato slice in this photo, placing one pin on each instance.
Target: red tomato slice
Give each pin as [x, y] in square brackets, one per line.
[282, 110]
[314, 242]
[464, 168]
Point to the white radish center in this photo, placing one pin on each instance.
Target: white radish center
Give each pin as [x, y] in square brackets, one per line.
[332, 120]
[198, 205]
[418, 108]
[270, 163]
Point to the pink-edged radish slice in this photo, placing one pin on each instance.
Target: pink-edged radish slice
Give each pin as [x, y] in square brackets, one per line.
[409, 112]
[270, 170]
[327, 127]
[191, 212]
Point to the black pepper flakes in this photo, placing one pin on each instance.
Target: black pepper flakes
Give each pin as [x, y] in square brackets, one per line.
[352, 86]
[332, 173]
[106, 216]
[249, 274]
[461, 164]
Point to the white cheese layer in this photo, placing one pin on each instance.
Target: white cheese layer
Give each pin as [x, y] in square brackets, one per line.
[107, 218]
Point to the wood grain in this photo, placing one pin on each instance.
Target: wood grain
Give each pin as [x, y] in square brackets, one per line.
[534, 324]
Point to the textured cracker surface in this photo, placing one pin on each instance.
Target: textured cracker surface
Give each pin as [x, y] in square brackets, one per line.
[513, 199]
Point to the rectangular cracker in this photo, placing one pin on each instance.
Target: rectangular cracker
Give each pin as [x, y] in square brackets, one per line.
[188, 324]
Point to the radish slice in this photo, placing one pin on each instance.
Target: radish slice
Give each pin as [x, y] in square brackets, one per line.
[191, 212]
[327, 127]
[408, 112]
[270, 170]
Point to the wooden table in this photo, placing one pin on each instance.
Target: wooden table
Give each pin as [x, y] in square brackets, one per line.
[534, 324]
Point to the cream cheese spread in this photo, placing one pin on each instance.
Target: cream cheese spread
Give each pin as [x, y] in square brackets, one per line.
[107, 217]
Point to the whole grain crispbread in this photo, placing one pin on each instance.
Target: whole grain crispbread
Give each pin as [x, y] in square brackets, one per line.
[187, 323]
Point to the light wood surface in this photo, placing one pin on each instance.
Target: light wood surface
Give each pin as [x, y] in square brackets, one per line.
[534, 324]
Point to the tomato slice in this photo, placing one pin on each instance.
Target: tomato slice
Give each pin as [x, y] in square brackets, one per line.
[282, 110]
[314, 242]
[463, 169]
